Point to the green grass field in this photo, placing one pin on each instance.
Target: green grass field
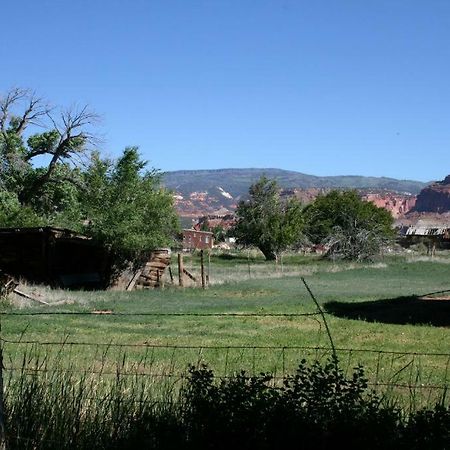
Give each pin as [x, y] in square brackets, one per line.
[371, 309]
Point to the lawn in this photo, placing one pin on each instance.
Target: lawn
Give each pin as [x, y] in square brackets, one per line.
[253, 322]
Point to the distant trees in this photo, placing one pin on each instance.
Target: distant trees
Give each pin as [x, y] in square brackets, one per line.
[349, 227]
[267, 221]
[51, 175]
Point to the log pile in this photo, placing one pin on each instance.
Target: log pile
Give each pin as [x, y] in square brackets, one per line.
[152, 273]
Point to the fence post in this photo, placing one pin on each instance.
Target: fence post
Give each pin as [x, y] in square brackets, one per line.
[202, 266]
[209, 268]
[180, 270]
[2, 409]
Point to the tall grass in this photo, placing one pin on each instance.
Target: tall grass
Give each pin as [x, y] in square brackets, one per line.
[317, 406]
[51, 408]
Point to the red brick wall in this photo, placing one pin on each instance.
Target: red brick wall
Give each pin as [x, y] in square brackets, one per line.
[197, 239]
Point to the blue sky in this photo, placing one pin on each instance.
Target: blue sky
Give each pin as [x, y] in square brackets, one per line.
[322, 87]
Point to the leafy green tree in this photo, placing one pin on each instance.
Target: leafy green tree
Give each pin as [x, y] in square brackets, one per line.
[126, 208]
[205, 226]
[267, 221]
[350, 227]
[218, 233]
[50, 176]
[29, 130]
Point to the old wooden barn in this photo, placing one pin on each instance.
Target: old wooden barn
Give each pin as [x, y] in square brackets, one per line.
[53, 256]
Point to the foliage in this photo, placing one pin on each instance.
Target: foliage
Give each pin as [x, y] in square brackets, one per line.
[219, 233]
[316, 408]
[119, 203]
[350, 227]
[267, 221]
[125, 207]
[38, 149]
[13, 214]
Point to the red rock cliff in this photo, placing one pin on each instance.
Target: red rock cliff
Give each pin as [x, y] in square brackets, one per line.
[434, 198]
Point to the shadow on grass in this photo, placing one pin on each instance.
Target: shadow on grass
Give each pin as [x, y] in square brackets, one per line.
[412, 310]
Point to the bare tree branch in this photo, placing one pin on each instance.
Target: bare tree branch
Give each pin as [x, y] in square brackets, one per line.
[13, 96]
[36, 109]
[74, 128]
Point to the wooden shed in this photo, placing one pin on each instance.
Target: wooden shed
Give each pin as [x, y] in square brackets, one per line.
[54, 256]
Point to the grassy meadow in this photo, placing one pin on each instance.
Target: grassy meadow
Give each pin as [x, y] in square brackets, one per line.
[251, 318]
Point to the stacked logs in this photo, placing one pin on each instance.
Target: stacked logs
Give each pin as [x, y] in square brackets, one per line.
[153, 271]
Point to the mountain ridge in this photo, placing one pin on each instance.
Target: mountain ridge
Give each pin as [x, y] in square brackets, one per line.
[217, 191]
[238, 180]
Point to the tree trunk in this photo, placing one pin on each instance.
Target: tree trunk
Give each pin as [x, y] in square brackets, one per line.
[268, 252]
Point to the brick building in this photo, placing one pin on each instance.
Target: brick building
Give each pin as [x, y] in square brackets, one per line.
[193, 239]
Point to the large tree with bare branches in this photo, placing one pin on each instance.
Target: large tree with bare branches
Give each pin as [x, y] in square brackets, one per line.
[49, 175]
[41, 148]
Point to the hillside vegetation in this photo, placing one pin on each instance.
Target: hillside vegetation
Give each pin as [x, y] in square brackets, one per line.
[237, 181]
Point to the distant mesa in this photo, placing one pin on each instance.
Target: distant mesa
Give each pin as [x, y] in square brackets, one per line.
[218, 192]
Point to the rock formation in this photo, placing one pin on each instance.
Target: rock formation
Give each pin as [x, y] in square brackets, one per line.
[434, 198]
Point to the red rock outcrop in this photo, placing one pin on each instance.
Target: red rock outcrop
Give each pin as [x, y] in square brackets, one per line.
[397, 204]
[434, 198]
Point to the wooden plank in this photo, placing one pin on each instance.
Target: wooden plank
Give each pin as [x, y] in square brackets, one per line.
[22, 294]
[156, 265]
[160, 257]
[133, 281]
[189, 275]
[150, 276]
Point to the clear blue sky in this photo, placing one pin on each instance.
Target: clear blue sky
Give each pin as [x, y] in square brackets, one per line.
[323, 87]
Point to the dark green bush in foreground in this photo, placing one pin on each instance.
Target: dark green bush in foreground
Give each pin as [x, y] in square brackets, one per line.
[317, 408]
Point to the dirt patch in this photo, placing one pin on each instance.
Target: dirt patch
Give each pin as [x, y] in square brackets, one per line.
[441, 297]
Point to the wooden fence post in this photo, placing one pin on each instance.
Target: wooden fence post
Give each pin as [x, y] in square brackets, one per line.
[180, 270]
[2, 406]
[202, 265]
[209, 268]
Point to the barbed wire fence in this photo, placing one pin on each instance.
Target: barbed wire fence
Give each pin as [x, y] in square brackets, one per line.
[426, 375]
[413, 379]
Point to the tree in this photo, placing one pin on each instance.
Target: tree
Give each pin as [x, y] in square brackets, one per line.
[350, 227]
[126, 208]
[49, 175]
[30, 129]
[266, 221]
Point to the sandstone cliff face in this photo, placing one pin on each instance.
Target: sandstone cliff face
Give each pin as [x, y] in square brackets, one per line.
[397, 204]
[434, 198]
